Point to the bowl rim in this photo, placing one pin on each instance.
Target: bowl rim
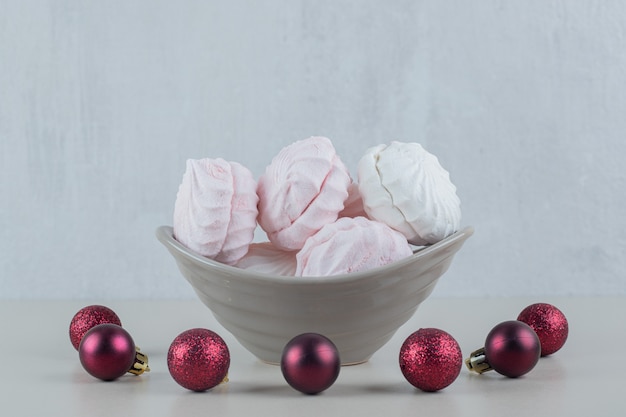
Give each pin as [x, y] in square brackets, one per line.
[165, 234]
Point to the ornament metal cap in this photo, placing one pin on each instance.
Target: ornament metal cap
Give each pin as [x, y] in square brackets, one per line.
[141, 363]
[477, 362]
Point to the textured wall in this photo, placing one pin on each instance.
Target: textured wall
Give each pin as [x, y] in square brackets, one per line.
[101, 102]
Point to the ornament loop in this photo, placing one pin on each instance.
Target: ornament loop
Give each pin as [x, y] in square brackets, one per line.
[477, 362]
[141, 363]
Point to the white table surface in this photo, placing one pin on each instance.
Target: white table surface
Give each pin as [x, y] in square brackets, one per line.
[42, 375]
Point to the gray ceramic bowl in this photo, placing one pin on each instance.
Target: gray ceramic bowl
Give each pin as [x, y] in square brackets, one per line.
[359, 312]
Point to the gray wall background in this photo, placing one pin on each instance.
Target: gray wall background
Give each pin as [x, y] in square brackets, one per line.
[101, 103]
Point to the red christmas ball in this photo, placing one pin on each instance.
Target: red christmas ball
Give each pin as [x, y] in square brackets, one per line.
[198, 359]
[549, 323]
[107, 351]
[88, 317]
[310, 363]
[512, 348]
[430, 359]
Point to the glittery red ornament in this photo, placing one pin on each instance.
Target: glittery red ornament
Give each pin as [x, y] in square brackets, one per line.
[430, 359]
[549, 323]
[88, 317]
[107, 351]
[512, 349]
[198, 359]
[310, 363]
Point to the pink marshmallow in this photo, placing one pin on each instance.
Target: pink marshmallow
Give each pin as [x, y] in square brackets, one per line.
[216, 209]
[350, 245]
[302, 190]
[267, 258]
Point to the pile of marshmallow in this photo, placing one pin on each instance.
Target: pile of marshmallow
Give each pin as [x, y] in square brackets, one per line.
[319, 221]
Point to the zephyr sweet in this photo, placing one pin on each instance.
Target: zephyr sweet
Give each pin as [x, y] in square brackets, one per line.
[302, 190]
[216, 209]
[350, 245]
[405, 187]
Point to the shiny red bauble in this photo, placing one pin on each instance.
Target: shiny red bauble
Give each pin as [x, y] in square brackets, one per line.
[198, 359]
[549, 323]
[310, 363]
[88, 317]
[107, 351]
[512, 348]
[430, 359]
